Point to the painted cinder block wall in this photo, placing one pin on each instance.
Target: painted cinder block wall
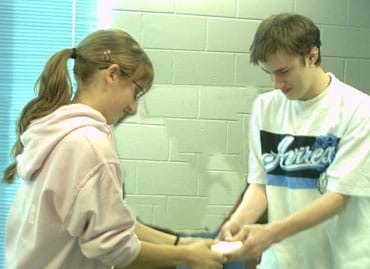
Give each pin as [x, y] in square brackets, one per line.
[184, 155]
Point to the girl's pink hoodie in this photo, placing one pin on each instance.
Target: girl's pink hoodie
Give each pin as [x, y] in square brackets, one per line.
[69, 211]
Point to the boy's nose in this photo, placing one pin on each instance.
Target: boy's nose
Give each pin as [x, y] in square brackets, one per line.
[278, 83]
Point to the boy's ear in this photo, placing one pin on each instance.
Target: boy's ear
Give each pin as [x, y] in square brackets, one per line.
[314, 55]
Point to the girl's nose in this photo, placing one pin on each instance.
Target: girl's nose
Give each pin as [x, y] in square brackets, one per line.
[132, 108]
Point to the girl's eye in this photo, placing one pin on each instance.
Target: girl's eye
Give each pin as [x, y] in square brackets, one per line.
[139, 91]
[139, 94]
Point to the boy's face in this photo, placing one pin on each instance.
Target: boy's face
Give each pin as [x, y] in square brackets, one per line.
[292, 74]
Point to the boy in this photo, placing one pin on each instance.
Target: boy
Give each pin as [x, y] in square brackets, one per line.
[309, 158]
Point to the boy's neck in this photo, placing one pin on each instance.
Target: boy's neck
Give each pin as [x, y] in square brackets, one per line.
[321, 81]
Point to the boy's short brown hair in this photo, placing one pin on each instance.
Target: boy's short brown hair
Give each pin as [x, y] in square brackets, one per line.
[291, 33]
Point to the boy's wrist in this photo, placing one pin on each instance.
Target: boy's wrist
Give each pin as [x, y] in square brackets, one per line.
[278, 231]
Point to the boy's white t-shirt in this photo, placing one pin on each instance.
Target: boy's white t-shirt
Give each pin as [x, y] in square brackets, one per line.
[300, 149]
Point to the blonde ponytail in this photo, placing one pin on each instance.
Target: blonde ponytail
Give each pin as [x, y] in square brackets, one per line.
[54, 89]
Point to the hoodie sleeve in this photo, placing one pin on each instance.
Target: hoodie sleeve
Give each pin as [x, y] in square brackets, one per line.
[101, 220]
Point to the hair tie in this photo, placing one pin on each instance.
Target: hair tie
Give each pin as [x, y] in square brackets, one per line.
[177, 240]
[74, 53]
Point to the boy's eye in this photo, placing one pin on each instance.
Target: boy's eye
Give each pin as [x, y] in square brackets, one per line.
[284, 71]
[266, 71]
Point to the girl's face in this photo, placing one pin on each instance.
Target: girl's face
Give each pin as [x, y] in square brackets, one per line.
[121, 99]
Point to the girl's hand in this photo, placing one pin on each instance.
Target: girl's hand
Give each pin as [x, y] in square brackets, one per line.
[200, 255]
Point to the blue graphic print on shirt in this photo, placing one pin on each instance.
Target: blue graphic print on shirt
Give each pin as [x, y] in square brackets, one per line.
[296, 162]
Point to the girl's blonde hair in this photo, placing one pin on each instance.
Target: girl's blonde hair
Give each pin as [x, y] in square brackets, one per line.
[54, 86]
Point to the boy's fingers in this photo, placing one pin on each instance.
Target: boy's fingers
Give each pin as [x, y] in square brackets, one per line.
[242, 235]
[227, 236]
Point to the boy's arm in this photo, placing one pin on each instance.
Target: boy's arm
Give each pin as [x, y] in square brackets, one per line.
[251, 208]
[253, 205]
[259, 237]
[330, 204]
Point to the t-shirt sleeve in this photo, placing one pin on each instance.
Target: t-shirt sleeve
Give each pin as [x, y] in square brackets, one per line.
[256, 171]
[101, 220]
[349, 173]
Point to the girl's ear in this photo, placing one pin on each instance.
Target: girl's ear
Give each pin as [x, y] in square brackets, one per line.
[112, 73]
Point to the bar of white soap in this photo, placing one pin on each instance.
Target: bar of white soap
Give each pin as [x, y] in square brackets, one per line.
[225, 248]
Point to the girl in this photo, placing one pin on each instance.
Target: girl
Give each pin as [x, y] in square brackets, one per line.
[70, 211]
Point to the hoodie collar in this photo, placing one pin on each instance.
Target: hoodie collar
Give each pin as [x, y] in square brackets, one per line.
[45, 133]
